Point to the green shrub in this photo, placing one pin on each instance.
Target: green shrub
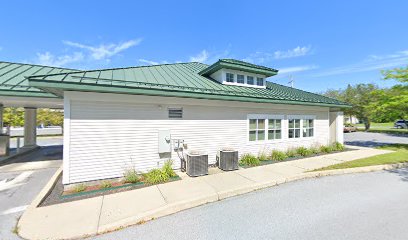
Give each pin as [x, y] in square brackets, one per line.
[156, 176]
[277, 155]
[249, 160]
[302, 151]
[131, 176]
[315, 149]
[262, 156]
[80, 188]
[291, 152]
[168, 169]
[106, 184]
[326, 149]
[337, 146]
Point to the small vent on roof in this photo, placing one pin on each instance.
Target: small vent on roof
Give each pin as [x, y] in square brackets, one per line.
[175, 112]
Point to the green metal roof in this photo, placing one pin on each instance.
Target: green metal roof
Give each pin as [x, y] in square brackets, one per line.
[177, 80]
[238, 65]
[13, 80]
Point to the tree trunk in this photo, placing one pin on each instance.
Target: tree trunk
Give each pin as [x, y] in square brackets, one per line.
[367, 124]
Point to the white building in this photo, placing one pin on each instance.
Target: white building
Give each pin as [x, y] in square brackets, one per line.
[131, 116]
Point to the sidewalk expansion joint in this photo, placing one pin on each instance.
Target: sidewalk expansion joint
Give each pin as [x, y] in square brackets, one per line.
[100, 214]
[245, 177]
[165, 200]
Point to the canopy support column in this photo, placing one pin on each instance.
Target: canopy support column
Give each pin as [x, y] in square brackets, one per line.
[30, 127]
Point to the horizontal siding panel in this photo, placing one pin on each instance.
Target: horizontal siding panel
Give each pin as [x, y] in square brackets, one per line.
[106, 138]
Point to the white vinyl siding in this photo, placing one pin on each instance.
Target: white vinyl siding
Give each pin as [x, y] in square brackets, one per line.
[104, 137]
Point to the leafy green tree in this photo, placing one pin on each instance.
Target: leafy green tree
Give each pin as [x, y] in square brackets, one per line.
[399, 74]
[49, 117]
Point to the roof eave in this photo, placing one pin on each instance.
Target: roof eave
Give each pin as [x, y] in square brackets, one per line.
[82, 87]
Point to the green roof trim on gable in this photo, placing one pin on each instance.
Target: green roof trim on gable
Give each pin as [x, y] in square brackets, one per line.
[173, 80]
[13, 80]
[238, 65]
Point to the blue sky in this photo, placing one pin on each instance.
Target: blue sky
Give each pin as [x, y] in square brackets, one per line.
[321, 44]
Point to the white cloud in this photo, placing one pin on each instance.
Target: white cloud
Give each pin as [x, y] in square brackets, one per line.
[201, 57]
[149, 62]
[291, 53]
[49, 59]
[372, 62]
[296, 69]
[105, 51]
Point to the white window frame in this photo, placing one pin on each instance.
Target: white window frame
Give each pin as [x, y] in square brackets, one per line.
[243, 78]
[229, 74]
[253, 80]
[275, 129]
[260, 79]
[302, 118]
[305, 129]
[266, 117]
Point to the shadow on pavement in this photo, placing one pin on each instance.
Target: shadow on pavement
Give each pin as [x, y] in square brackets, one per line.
[367, 143]
[401, 172]
[45, 153]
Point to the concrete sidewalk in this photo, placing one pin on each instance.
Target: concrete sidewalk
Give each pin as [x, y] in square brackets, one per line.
[107, 213]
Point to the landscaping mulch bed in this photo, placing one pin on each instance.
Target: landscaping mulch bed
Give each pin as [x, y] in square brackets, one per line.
[267, 162]
[57, 194]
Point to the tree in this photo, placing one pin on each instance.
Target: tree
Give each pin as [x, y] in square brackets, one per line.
[49, 117]
[399, 74]
[360, 97]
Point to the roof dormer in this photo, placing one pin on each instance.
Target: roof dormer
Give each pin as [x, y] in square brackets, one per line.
[234, 72]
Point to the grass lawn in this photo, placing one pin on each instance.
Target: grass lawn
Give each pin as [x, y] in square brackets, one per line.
[382, 128]
[399, 156]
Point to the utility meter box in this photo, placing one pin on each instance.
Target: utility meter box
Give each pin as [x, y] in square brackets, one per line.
[164, 141]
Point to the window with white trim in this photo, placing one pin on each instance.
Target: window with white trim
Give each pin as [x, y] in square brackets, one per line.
[294, 128]
[274, 129]
[259, 81]
[256, 129]
[308, 127]
[250, 80]
[229, 77]
[240, 79]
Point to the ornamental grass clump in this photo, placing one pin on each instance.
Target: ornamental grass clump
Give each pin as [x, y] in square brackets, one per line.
[249, 160]
[337, 146]
[277, 155]
[168, 169]
[326, 149]
[156, 176]
[304, 152]
[291, 152]
[262, 156]
[131, 176]
[315, 149]
[106, 184]
[80, 188]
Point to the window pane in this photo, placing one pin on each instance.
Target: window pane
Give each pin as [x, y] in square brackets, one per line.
[252, 135]
[230, 77]
[278, 124]
[291, 123]
[297, 133]
[240, 79]
[290, 133]
[252, 123]
[250, 80]
[297, 123]
[261, 123]
[311, 132]
[305, 132]
[278, 134]
[271, 134]
[311, 123]
[305, 123]
[259, 81]
[272, 124]
[261, 135]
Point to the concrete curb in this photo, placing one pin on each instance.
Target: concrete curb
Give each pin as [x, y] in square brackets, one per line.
[34, 204]
[171, 208]
[187, 204]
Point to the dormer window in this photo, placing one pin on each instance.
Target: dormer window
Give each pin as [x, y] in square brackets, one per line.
[259, 81]
[250, 80]
[230, 77]
[240, 79]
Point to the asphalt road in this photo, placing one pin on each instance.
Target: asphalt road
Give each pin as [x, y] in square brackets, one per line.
[19, 188]
[361, 206]
[367, 139]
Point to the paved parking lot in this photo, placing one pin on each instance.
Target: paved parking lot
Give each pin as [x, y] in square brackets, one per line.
[368, 139]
